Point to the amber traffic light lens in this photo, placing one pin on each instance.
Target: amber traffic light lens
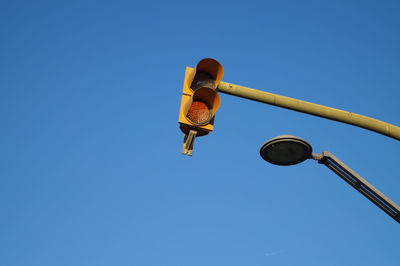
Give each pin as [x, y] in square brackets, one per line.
[199, 112]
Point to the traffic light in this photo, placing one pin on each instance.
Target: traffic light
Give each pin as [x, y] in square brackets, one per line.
[200, 101]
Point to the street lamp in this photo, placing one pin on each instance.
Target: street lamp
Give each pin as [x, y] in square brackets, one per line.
[290, 150]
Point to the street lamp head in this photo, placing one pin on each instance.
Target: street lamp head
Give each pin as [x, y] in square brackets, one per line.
[286, 150]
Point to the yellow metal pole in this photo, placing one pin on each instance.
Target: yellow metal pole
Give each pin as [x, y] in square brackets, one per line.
[312, 108]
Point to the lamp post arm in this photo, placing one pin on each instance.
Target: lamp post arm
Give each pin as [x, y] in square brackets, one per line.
[359, 183]
[312, 109]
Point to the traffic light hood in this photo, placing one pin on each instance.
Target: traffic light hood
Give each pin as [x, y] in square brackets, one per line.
[209, 66]
[210, 102]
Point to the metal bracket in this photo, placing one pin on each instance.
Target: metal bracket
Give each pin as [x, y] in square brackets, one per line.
[318, 157]
[359, 183]
[188, 142]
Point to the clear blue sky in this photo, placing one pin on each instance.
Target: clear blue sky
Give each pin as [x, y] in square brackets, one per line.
[91, 171]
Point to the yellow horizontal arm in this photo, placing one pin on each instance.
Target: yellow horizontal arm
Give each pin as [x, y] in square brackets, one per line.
[312, 108]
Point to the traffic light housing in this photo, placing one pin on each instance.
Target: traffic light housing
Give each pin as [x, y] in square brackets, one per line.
[200, 101]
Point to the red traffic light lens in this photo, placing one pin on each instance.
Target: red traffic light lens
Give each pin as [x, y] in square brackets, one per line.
[199, 112]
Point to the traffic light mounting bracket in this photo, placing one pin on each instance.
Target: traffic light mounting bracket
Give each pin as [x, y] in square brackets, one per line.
[188, 142]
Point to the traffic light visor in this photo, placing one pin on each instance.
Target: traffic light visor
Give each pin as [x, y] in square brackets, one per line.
[210, 66]
[202, 107]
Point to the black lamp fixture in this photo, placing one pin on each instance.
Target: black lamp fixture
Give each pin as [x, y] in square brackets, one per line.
[290, 150]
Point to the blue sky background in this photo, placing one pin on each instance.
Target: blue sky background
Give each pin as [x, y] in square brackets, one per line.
[91, 171]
